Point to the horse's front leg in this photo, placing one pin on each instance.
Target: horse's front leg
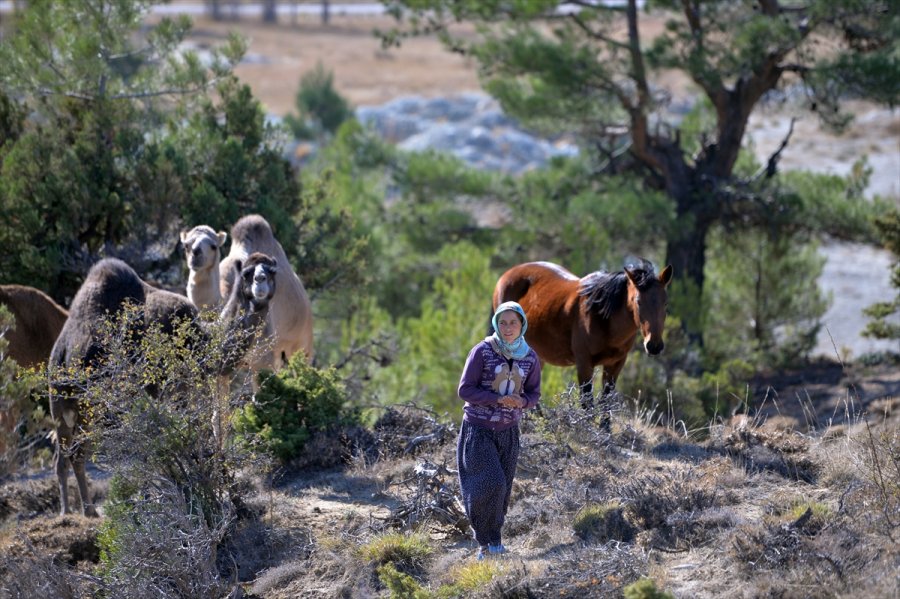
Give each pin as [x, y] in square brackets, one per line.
[585, 371]
[610, 374]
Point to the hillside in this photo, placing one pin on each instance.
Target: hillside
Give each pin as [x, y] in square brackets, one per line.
[745, 508]
[795, 495]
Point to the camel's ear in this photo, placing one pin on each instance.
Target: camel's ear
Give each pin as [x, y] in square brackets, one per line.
[221, 236]
[238, 267]
[665, 277]
[274, 265]
[184, 236]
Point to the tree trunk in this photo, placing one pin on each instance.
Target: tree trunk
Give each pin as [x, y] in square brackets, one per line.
[686, 252]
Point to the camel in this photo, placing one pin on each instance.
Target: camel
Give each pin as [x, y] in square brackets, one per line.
[38, 322]
[109, 286]
[291, 310]
[201, 249]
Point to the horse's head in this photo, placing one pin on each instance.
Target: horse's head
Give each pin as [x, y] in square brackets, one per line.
[648, 297]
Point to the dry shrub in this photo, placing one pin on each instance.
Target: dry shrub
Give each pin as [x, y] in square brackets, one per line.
[766, 546]
[652, 498]
[70, 540]
[408, 430]
[334, 447]
[525, 517]
[590, 571]
[572, 432]
[164, 547]
[758, 450]
[322, 575]
[36, 576]
[601, 523]
[30, 498]
[677, 510]
[881, 469]
[428, 498]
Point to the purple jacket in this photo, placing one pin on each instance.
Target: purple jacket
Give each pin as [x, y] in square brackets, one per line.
[488, 376]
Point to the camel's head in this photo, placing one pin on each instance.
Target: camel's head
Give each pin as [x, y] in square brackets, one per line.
[258, 280]
[201, 247]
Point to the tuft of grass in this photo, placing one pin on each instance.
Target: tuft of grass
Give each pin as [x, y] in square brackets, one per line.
[602, 522]
[405, 551]
[467, 578]
[819, 510]
[645, 588]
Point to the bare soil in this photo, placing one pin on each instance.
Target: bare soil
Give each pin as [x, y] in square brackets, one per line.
[365, 73]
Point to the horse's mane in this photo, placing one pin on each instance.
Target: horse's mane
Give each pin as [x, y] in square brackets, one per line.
[606, 292]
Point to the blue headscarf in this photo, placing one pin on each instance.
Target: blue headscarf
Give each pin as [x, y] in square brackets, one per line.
[518, 349]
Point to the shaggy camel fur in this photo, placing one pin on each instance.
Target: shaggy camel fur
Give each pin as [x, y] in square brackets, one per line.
[201, 250]
[291, 310]
[38, 322]
[109, 285]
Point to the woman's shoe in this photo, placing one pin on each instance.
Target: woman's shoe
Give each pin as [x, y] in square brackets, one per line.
[497, 549]
[483, 552]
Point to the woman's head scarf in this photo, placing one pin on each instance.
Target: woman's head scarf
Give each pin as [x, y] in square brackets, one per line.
[518, 349]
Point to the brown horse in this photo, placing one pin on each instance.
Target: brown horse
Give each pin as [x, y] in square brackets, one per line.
[589, 321]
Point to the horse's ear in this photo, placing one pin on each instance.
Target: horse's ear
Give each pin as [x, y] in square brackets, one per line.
[630, 273]
[665, 277]
[221, 236]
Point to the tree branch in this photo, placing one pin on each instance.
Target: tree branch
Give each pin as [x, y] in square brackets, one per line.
[596, 34]
[771, 167]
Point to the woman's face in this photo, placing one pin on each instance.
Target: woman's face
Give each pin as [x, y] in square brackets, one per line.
[510, 325]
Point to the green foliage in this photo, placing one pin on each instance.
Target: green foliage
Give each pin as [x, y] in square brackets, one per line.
[237, 168]
[645, 588]
[763, 301]
[334, 248]
[566, 214]
[883, 323]
[401, 586]
[290, 406]
[434, 345]
[321, 108]
[430, 213]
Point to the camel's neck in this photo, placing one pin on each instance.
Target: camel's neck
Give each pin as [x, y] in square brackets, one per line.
[203, 288]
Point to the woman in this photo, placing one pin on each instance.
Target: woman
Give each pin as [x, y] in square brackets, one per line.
[501, 378]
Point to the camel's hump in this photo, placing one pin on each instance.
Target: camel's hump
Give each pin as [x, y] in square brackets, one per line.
[251, 230]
